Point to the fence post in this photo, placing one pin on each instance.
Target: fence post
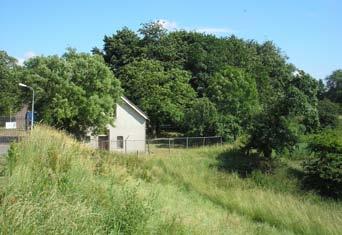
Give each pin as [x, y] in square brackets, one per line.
[187, 142]
[148, 147]
[203, 141]
[221, 141]
[125, 145]
[169, 146]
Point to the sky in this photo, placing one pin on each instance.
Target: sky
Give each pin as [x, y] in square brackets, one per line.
[308, 32]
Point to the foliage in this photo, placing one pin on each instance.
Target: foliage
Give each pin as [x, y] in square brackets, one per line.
[9, 89]
[286, 116]
[321, 90]
[234, 93]
[328, 113]
[163, 94]
[259, 70]
[201, 118]
[334, 85]
[76, 92]
[323, 171]
[121, 49]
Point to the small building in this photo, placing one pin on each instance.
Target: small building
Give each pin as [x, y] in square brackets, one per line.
[128, 134]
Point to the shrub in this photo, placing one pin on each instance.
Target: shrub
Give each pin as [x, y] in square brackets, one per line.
[328, 113]
[323, 170]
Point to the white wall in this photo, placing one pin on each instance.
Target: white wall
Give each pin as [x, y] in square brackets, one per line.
[132, 126]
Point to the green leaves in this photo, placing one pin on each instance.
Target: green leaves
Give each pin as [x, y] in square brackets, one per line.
[162, 93]
[334, 84]
[9, 90]
[74, 91]
[323, 171]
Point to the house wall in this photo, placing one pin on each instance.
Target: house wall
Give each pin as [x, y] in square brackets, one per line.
[131, 126]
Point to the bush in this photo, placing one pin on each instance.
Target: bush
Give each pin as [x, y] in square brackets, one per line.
[323, 170]
[328, 113]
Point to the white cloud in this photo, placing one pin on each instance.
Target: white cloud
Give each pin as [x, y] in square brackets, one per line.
[169, 25]
[210, 30]
[26, 56]
[172, 26]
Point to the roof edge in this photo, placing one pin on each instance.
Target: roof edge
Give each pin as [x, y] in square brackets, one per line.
[133, 106]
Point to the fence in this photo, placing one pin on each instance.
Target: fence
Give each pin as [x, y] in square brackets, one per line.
[173, 144]
[153, 146]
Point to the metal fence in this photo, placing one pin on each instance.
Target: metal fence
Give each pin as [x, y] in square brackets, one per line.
[154, 146]
[173, 144]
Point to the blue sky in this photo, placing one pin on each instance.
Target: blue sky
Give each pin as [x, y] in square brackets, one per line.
[308, 32]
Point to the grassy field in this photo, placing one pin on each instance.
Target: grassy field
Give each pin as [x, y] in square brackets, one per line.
[52, 184]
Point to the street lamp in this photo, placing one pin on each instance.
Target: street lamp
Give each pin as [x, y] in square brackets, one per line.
[32, 118]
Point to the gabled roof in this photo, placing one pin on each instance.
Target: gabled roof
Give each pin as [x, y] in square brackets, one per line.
[133, 106]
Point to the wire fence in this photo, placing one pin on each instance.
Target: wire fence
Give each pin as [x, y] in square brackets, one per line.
[163, 145]
[153, 146]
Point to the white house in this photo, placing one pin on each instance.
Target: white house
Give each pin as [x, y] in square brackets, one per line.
[128, 134]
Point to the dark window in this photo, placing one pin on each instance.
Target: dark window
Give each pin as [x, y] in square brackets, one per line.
[87, 139]
[119, 142]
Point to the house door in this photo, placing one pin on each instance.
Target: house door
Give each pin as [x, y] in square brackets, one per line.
[104, 142]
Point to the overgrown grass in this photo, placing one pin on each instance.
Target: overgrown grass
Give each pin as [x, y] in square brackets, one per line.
[55, 185]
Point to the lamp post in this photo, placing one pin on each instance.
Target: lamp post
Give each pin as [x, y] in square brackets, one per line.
[32, 118]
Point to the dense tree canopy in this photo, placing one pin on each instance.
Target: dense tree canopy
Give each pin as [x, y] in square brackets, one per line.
[234, 92]
[291, 112]
[334, 85]
[9, 89]
[76, 92]
[163, 94]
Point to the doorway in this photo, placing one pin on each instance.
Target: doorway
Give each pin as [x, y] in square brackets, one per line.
[103, 142]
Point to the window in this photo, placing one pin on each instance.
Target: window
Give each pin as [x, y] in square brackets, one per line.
[119, 142]
[87, 139]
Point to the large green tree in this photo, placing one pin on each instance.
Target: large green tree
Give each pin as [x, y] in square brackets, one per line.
[76, 92]
[121, 48]
[334, 85]
[291, 112]
[201, 118]
[235, 93]
[163, 94]
[9, 89]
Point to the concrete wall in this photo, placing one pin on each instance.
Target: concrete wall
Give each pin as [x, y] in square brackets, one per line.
[131, 126]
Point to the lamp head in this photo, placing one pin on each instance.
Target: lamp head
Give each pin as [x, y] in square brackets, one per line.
[22, 84]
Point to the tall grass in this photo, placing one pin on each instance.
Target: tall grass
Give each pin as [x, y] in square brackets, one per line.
[56, 185]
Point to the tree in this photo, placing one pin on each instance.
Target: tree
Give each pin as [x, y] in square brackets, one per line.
[76, 92]
[334, 85]
[120, 48]
[234, 92]
[163, 94]
[328, 113]
[201, 118]
[9, 89]
[321, 92]
[322, 170]
[290, 113]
